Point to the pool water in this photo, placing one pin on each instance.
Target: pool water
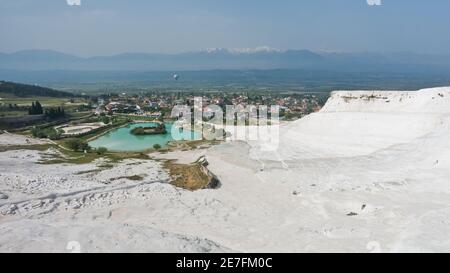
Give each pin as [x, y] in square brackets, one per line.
[122, 140]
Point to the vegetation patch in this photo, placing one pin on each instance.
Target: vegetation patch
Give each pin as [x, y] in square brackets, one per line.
[132, 177]
[106, 166]
[192, 144]
[75, 154]
[160, 129]
[50, 133]
[99, 168]
[35, 147]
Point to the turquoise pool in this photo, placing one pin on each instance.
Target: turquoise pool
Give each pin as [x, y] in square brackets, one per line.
[122, 140]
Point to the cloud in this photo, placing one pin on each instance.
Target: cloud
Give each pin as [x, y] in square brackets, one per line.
[74, 2]
[374, 2]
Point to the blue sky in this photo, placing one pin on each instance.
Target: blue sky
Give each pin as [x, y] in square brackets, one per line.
[104, 27]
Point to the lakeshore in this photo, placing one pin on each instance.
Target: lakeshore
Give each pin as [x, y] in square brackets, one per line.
[121, 139]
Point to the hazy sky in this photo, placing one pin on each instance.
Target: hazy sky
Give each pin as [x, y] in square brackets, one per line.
[104, 27]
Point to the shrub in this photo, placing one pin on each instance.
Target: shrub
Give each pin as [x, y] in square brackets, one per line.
[152, 130]
[156, 146]
[53, 134]
[85, 146]
[102, 150]
[138, 131]
[77, 144]
[105, 120]
[50, 133]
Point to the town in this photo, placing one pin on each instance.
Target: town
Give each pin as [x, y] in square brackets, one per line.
[159, 105]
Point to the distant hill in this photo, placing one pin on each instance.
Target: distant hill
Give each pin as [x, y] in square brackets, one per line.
[201, 60]
[25, 90]
[263, 58]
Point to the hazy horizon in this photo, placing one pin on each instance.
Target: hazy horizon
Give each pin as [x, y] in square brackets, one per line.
[230, 50]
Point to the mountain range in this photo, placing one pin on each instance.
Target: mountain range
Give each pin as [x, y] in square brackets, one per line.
[220, 58]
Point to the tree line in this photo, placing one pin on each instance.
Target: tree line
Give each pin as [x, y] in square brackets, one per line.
[36, 108]
[50, 114]
[55, 113]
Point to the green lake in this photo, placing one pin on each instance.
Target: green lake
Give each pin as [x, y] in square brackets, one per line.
[121, 140]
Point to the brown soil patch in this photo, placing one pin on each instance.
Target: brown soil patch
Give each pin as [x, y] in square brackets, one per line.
[193, 176]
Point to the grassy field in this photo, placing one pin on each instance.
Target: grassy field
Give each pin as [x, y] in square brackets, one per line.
[70, 105]
[13, 113]
[45, 101]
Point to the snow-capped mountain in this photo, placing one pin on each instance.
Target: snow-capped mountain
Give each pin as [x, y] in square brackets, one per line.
[259, 49]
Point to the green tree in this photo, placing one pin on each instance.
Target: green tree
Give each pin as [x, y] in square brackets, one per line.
[77, 144]
[39, 110]
[53, 134]
[32, 109]
[105, 120]
[55, 113]
[156, 146]
[102, 150]
[84, 146]
[50, 133]
[36, 132]
[36, 108]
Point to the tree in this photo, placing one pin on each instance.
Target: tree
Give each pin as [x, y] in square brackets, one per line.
[77, 144]
[50, 133]
[102, 150]
[156, 146]
[36, 132]
[36, 109]
[32, 109]
[53, 134]
[39, 110]
[105, 119]
[84, 146]
[55, 113]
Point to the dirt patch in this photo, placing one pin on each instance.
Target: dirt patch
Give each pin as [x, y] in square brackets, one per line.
[132, 177]
[193, 176]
